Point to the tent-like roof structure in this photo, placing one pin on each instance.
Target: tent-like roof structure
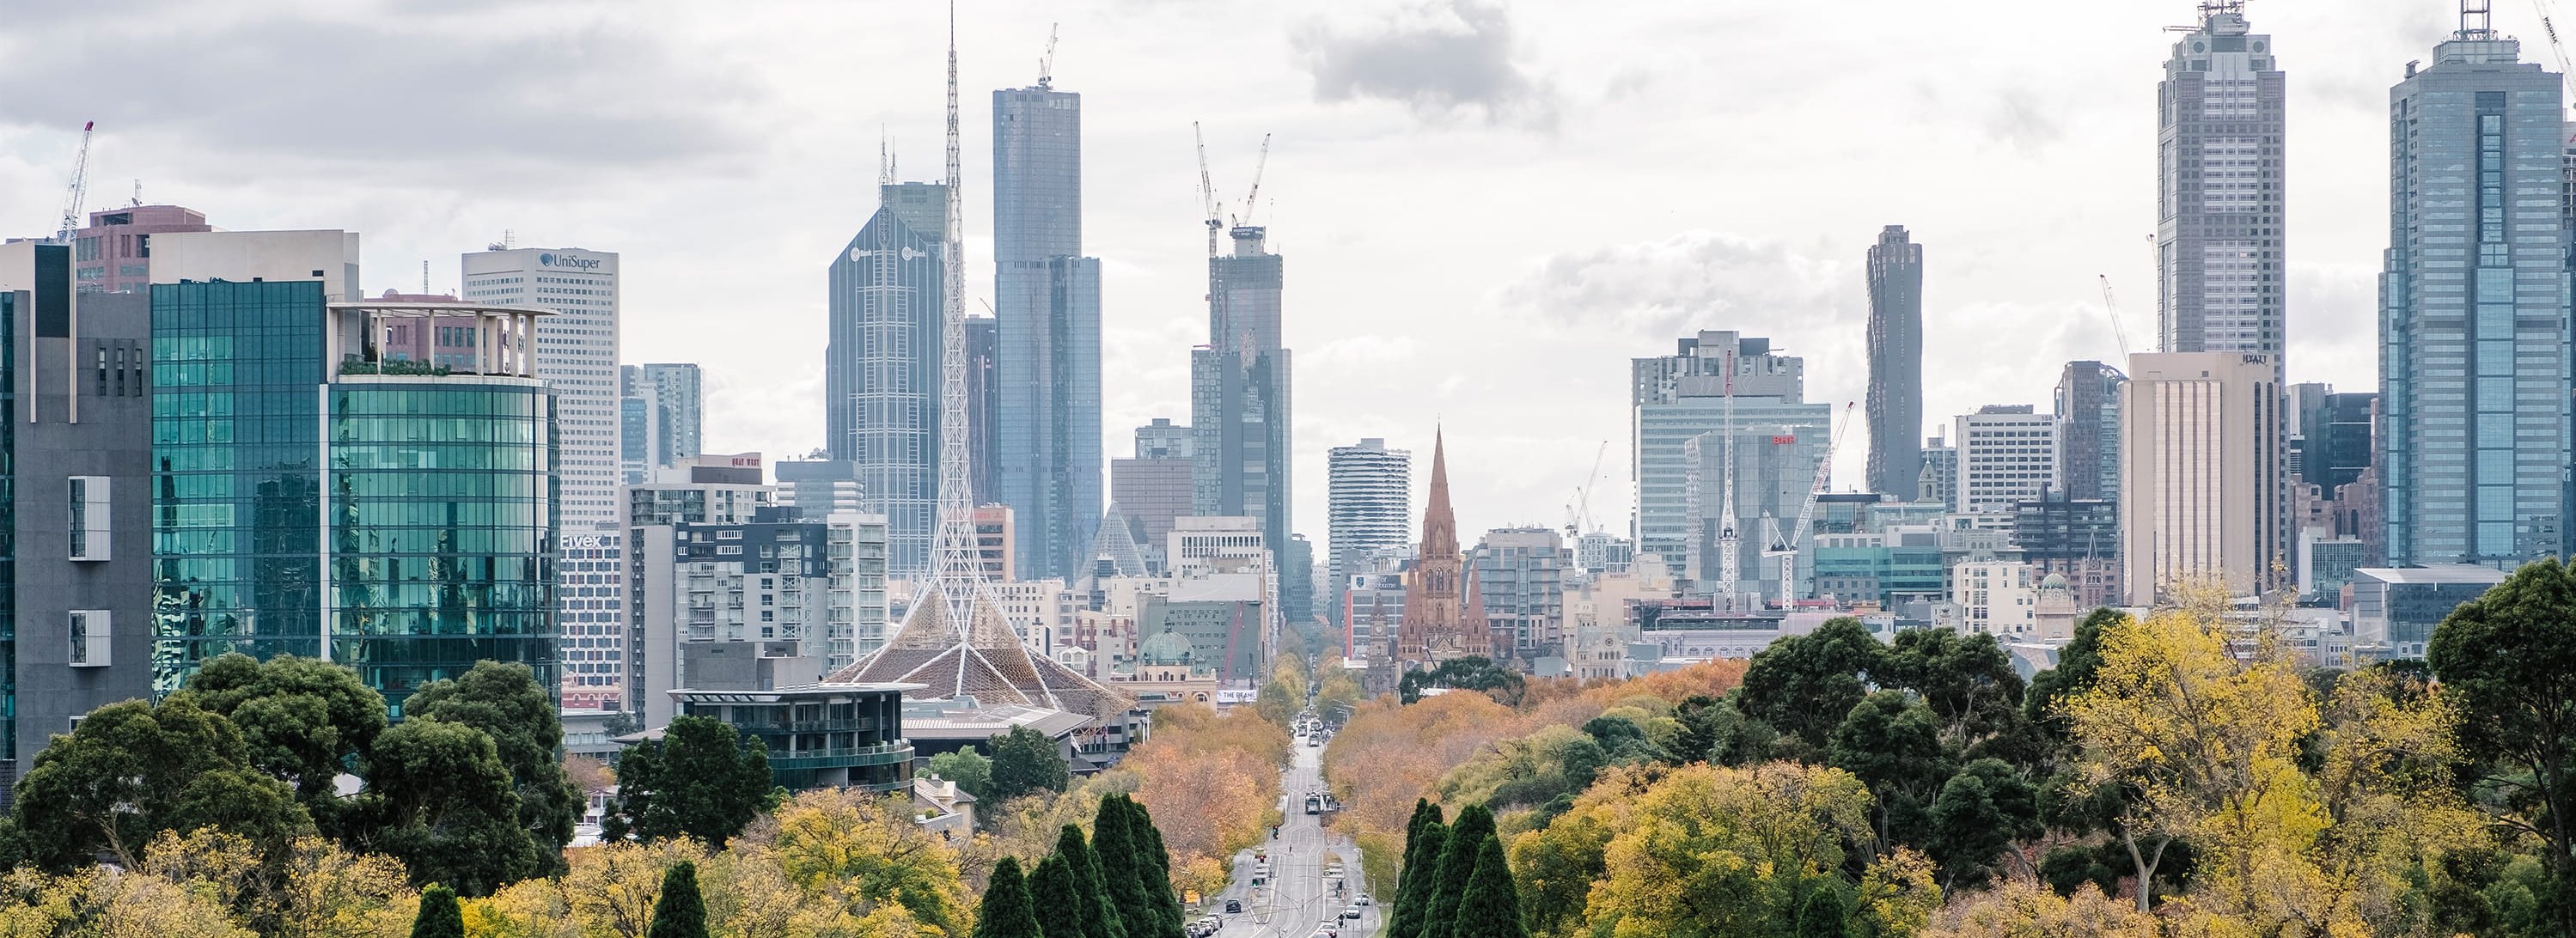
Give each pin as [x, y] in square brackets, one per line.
[982, 659]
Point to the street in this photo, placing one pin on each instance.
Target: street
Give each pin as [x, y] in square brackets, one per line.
[1299, 900]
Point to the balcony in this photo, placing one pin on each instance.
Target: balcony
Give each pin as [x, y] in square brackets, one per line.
[892, 753]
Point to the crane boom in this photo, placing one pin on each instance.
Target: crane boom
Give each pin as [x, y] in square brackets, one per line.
[1250, 198]
[1583, 496]
[1046, 64]
[1730, 542]
[1207, 190]
[79, 189]
[1799, 535]
[2112, 309]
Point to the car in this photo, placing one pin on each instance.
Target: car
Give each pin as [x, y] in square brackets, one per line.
[1363, 899]
[1233, 906]
[1351, 912]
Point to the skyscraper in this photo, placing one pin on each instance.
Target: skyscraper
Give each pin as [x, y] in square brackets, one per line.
[1722, 393]
[1239, 392]
[1047, 307]
[2007, 453]
[1895, 364]
[2474, 371]
[2088, 419]
[1368, 498]
[983, 348]
[576, 355]
[2220, 271]
[881, 367]
[2200, 495]
[1153, 488]
[658, 410]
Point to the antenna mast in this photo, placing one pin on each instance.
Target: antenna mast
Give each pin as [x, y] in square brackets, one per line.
[956, 569]
[2481, 13]
[1730, 553]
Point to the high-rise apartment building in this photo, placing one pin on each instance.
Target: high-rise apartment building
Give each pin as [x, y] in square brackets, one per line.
[881, 366]
[2088, 415]
[2474, 371]
[780, 597]
[1368, 508]
[114, 254]
[576, 355]
[1046, 377]
[1895, 364]
[2008, 453]
[2220, 274]
[2200, 497]
[1686, 408]
[1239, 392]
[996, 534]
[378, 487]
[1520, 583]
[1153, 488]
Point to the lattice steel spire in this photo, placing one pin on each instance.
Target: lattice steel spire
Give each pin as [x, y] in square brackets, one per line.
[956, 570]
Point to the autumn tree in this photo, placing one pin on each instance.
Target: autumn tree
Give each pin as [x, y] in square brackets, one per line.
[701, 780]
[2507, 660]
[863, 850]
[612, 889]
[1713, 851]
[1026, 761]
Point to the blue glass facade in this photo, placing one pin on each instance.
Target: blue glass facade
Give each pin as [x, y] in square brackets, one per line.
[881, 374]
[1241, 427]
[2473, 325]
[1047, 307]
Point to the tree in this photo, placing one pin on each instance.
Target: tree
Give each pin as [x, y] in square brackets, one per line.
[969, 769]
[612, 889]
[439, 916]
[1978, 816]
[1458, 853]
[1491, 907]
[304, 721]
[680, 912]
[1285, 693]
[2507, 661]
[131, 770]
[1708, 851]
[1473, 672]
[1026, 761]
[700, 780]
[506, 703]
[1007, 911]
[1421, 878]
[1892, 743]
[1156, 866]
[1055, 887]
[2044, 704]
[1803, 685]
[866, 847]
[1822, 915]
[439, 798]
[1126, 869]
[1100, 917]
[1970, 686]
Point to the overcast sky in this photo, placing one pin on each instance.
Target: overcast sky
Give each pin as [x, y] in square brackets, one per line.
[1486, 206]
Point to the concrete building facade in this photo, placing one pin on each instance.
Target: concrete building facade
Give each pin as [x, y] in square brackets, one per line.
[576, 355]
[2222, 278]
[2201, 494]
[2008, 453]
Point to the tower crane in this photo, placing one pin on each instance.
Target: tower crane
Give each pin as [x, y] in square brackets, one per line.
[1207, 190]
[79, 189]
[2112, 309]
[1046, 64]
[1807, 512]
[1250, 198]
[1578, 514]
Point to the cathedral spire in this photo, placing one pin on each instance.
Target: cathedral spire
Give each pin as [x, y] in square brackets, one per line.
[1439, 523]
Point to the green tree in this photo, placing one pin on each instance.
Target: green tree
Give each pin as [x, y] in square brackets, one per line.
[969, 769]
[1421, 876]
[1157, 866]
[304, 721]
[2507, 661]
[1458, 853]
[1823, 914]
[1026, 762]
[1978, 816]
[1099, 914]
[1717, 732]
[132, 770]
[1474, 672]
[700, 780]
[2044, 704]
[1803, 685]
[1055, 887]
[1892, 743]
[681, 912]
[1969, 684]
[1126, 869]
[439, 799]
[1491, 906]
[506, 703]
[1007, 911]
[438, 916]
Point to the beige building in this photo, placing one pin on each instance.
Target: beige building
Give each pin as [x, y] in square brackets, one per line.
[2201, 492]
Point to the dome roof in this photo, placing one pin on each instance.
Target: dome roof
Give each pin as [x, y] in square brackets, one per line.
[2054, 581]
[1168, 648]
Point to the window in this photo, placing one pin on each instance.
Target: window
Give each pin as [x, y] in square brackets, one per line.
[89, 518]
[89, 638]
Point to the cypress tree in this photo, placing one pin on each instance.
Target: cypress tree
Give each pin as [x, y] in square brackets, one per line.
[1099, 914]
[1008, 912]
[1491, 907]
[680, 912]
[1413, 891]
[1457, 864]
[1822, 915]
[1424, 814]
[1055, 887]
[1123, 869]
[1167, 903]
[439, 917]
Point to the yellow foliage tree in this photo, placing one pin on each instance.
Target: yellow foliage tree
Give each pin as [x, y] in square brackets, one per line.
[611, 888]
[103, 902]
[1710, 851]
[858, 852]
[530, 908]
[2020, 909]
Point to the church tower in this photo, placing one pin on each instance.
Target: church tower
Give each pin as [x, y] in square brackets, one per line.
[1437, 627]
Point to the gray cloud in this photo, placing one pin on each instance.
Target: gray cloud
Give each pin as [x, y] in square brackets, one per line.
[1442, 60]
[1657, 290]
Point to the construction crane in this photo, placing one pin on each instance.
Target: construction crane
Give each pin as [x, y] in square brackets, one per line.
[1250, 199]
[1046, 64]
[1207, 191]
[2549, 27]
[1578, 513]
[2112, 310]
[79, 189]
[1807, 512]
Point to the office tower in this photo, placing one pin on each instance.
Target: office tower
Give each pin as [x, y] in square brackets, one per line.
[576, 355]
[114, 254]
[635, 442]
[2076, 538]
[1297, 583]
[2088, 416]
[1047, 306]
[1520, 583]
[1153, 488]
[1438, 625]
[2200, 496]
[2473, 371]
[818, 487]
[75, 486]
[1685, 409]
[658, 414]
[2221, 277]
[1367, 507]
[778, 597]
[402, 520]
[708, 490]
[996, 532]
[881, 366]
[1895, 364]
[2007, 454]
[1239, 392]
[1940, 477]
[983, 424]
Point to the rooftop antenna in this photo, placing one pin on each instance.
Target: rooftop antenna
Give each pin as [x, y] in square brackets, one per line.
[885, 157]
[2477, 19]
[424, 277]
[137, 201]
[1046, 65]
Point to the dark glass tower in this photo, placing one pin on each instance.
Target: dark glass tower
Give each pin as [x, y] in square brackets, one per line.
[881, 370]
[1895, 364]
[1239, 387]
[1047, 307]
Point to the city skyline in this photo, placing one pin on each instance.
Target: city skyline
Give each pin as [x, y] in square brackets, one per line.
[1732, 256]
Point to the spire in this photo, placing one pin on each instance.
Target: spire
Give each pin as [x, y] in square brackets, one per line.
[1439, 524]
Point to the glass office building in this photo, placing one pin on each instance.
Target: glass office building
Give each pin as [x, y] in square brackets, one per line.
[322, 487]
[2473, 328]
[1046, 393]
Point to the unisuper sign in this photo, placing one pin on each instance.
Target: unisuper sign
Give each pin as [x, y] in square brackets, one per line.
[567, 261]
